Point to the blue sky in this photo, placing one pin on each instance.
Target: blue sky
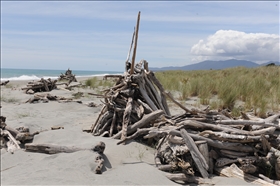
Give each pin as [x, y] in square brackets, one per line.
[93, 35]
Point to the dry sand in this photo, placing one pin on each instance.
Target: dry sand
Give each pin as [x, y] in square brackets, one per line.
[131, 164]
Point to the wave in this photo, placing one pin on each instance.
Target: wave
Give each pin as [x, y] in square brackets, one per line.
[25, 77]
[34, 77]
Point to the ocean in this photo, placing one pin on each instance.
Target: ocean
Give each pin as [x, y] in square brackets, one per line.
[37, 74]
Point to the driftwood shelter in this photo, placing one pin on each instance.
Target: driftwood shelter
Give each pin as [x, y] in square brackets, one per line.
[191, 146]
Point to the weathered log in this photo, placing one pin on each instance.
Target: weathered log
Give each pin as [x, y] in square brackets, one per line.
[198, 158]
[247, 122]
[126, 117]
[140, 82]
[184, 178]
[202, 125]
[234, 171]
[272, 118]
[139, 132]
[154, 92]
[233, 154]
[135, 44]
[222, 136]
[203, 149]
[269, 180]
[103, 110]
[277, 168]
[218, 144]
[224, 161]
[50, 148]
[4, 83]
[12, 139]
[99, 160]
[144, 121]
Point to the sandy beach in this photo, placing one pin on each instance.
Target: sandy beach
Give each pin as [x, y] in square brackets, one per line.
[130, 164]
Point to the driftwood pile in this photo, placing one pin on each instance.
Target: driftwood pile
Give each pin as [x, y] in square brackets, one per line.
[48, 85]
[46, 97]
[40, 86]
[68, 76]
[11, 138]
[4, 83]
[193, 145]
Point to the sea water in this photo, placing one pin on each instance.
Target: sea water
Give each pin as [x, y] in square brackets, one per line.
[36, 74]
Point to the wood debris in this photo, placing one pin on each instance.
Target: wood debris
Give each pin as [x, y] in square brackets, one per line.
[4, 83]
[46, 97]
[11, 139]
[191, 145]
[40, 86]
[67, 76]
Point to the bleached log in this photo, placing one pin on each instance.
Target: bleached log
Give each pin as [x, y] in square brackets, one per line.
[103, 110]
[224, 161]
[126, 117]
[135, 44]
[198, 158]
[144, 121]
[183, 177]
[240, 122]
[272, 118]
[158, 99]
[247, 122]
[50, 148]
[11, 137]
[203, 149]
[153, 79]
[147, 108]
[269, 180]
[136, 134]
[201, 125]
[140, 82]
[233, 154]
[234, 171]
[218, 144]
[222, 136]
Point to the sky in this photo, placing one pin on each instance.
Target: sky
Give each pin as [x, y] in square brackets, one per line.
[96, 35]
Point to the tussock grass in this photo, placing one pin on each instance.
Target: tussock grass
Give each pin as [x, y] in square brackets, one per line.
[258, 88]
[6, 99]
[95, 82]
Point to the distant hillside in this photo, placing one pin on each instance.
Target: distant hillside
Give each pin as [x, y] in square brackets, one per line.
[207, 65]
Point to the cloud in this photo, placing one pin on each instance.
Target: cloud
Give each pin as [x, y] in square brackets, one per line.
[228, 44]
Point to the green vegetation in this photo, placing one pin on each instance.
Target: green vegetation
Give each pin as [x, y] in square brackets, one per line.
[96, 83]
[23, 115]
[8, 99]
[257, 88]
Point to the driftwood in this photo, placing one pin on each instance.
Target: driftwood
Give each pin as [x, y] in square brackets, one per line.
[11, 138]
[234, 171]
[191, 144]
[98, 149]
[4, 83]
[68, 76]
[46, 97]
[41, 86]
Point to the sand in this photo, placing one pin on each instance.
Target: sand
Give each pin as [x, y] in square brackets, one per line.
[130, 164]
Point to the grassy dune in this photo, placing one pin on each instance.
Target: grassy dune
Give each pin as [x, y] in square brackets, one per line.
[254, 88]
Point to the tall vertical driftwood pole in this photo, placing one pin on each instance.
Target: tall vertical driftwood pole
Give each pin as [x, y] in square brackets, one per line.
[135, 44]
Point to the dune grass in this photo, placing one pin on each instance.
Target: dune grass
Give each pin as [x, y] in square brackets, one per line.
[99, 84]
[257, 88]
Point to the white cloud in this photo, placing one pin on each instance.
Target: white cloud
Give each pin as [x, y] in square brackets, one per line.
[228, 44]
